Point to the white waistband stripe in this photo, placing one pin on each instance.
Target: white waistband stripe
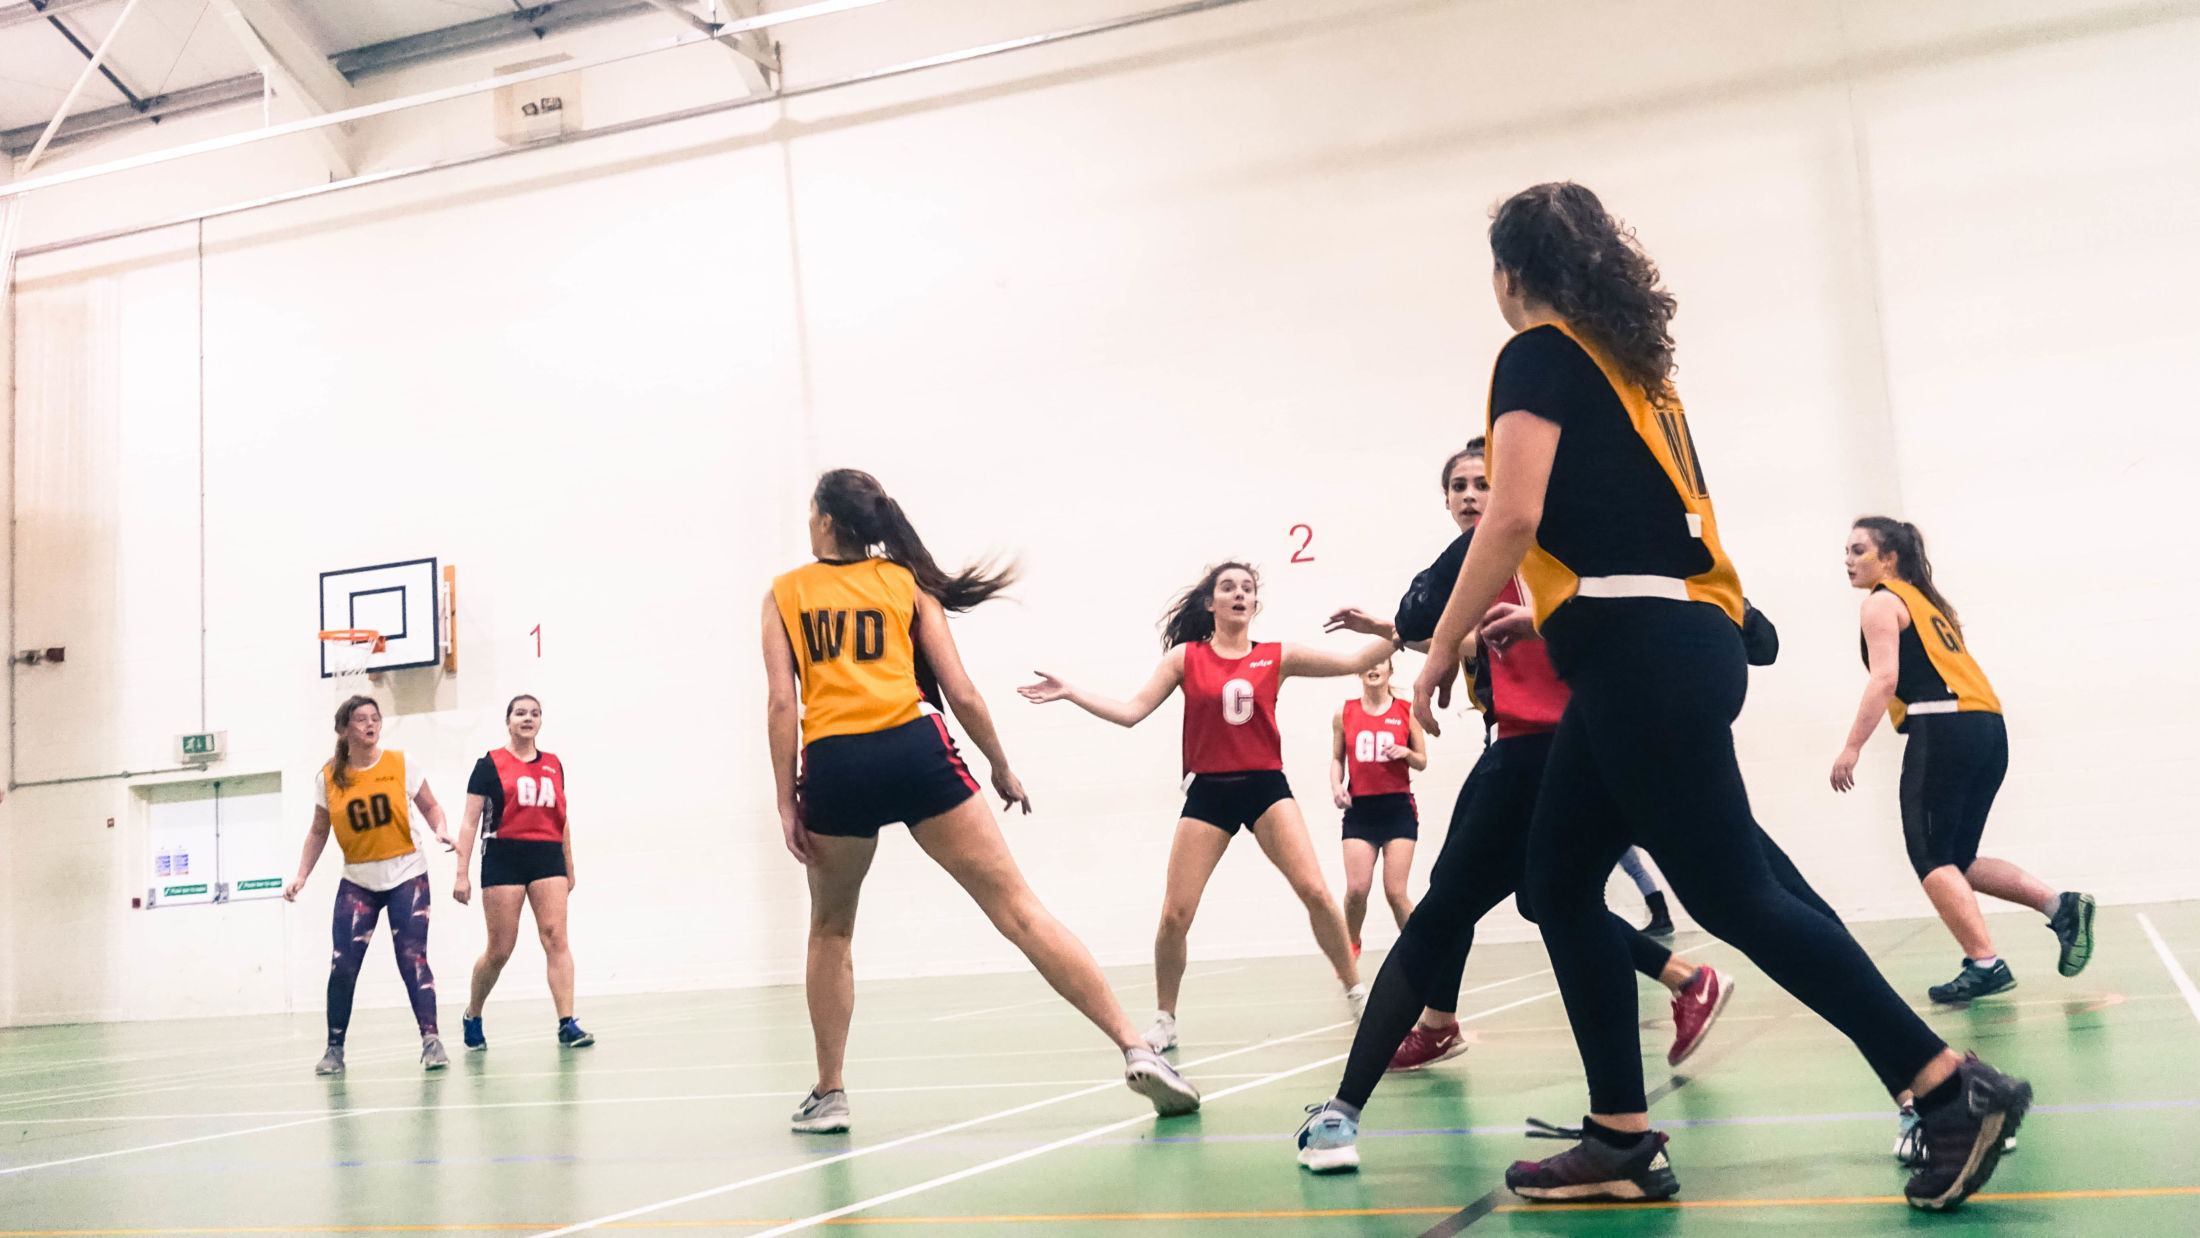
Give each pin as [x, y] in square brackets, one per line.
[1931, 707]
[1669, 587]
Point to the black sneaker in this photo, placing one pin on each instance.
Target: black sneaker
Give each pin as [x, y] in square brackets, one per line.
[2073, 925]
[1974, 982]
[1595, 1170]
[1661, 919]
[1965, 1137]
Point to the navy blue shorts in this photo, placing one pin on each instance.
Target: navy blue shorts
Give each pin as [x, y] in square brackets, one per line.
[520, 861]
[854, 784]
[1379, 819]
[1227, 801]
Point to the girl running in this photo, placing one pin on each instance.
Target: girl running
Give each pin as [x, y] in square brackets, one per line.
[1233, 764]
[516, 799]
[1480, 865]
[1599, 500]
[848, 640]
[1924, 681]
[374, 793]
[1375, 746]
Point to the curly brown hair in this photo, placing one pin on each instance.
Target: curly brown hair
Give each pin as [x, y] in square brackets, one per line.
[1572, 255]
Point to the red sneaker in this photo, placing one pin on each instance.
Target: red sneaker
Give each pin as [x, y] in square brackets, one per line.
[1695, 1009]
[1426, 1046]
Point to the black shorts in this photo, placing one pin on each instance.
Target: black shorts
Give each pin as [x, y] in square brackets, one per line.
[1227, 801]
[1381, 819]
[854, 784]
[520, 861]
[1951, 771]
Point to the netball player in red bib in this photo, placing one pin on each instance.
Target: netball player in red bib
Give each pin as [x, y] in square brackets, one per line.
[516, 799]
[856, 649]
[1233, 764]
[1376, 747]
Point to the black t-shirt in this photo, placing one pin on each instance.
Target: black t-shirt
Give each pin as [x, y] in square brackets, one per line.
[1422, 608]
[1610, 509]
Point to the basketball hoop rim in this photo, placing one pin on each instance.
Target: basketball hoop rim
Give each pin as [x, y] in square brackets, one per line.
[356, 636]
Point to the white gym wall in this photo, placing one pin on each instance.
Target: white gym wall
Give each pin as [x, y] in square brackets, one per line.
[1120, 307]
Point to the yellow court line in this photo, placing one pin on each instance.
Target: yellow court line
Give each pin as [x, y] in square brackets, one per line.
[1279, 1214]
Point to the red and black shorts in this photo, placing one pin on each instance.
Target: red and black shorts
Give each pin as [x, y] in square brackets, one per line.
[854, 784]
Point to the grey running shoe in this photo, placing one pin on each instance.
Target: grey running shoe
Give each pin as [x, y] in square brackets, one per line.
[1161, 1037]
[1974, 982]
[822, 1115]
[2073, 925]
[332, 1062]
[1595, 1170]
[432, 1056]
[1966, 1136]
[1146, 1073]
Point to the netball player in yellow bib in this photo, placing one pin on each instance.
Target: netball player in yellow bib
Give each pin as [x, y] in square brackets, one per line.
[1924, 680]
[367, 796]
[856, 651]
[1599, 502]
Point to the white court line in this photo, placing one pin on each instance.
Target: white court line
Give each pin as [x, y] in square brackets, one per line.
[806, 1222]
[919, 1137]
[1056, 997]
[177, 1143]
[1028, 1153]
[2176, 970]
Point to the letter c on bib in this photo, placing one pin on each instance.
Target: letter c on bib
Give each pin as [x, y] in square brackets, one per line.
[1237, 702]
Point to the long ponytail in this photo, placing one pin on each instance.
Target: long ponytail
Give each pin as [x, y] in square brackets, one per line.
[1903, 540]
[866, 516]
[1190, 617]
[340, 767]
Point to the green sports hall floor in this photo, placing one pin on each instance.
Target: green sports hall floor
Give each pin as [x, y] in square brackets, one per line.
[984, 1106]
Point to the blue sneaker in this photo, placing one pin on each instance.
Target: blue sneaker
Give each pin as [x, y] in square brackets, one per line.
[1329, 1142]
[571, 1036]
[470, 1030]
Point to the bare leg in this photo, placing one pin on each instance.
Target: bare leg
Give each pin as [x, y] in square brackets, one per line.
[1359, 878]
[966, 842]
[1958, 908]
[500, 907]
[1397, 867]
[2005, 881]
[547, 897]
[1281, 832]
[836, 877]
[1192, 858]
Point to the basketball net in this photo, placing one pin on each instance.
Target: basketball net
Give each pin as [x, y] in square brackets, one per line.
[346, 652]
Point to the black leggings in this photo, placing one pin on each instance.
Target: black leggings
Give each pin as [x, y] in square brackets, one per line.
[1480, 865]
[1645, 755]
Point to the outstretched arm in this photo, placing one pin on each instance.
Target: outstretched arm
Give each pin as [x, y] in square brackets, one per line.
[1304, 662]
[1159, 685]
[1882, 649]
[938, 647]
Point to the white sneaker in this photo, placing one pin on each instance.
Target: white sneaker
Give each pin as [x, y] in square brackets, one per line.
[1149, 1075]
[821, 1115]
[1161, 1037]
[1356, 997]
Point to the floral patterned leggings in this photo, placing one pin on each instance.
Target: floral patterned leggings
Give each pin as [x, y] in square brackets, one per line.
[357, 908]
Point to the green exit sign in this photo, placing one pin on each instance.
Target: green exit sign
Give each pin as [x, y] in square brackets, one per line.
[201, 747]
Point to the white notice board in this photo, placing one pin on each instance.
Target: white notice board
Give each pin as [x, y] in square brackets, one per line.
[213, 841]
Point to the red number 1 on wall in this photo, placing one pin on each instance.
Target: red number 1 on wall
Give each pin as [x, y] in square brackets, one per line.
[537, 634]
[1300, 555]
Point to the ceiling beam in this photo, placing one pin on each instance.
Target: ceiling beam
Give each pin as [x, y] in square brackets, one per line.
[13, 142]
[23, 12]
[301, 80]
[536, 22]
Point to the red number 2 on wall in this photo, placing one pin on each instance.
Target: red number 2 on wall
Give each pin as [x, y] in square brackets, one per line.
[1300, 555]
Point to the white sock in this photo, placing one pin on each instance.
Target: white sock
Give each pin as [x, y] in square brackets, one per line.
[2051, 906]
[1988, 963]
